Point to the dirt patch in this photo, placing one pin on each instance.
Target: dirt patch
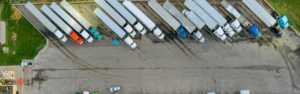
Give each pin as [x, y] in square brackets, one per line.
[17, 15]
[14, 36]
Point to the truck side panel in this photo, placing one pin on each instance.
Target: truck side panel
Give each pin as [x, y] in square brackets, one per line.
[40, 16]
[195, 20]
[179, 16]
[191, 5]
[211, 11]
[164, 14]
[56, 19]
[139, 14]
[260, 12]
[66, 17]
[75, 14]
[113, 26]
[111, 12]
[125, 13]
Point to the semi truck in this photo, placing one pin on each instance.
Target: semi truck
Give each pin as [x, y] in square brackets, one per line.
[116, 17]
[128, 16]
[242, 21]
[61, 24]
[115, 28]
[265, 17]
[81, 19]
[235, 24]
[50, 26]
[196, 21]
[175, 25]
[210, 23]
[67, 18]
[143, 19]
[188, 25]
[213, 13]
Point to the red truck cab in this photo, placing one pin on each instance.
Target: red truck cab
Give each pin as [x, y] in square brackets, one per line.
[75, 37]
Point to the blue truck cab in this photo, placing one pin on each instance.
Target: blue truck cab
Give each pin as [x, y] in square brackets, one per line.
[254, 31]
[181, 32]
[95, 33]
[283, 22]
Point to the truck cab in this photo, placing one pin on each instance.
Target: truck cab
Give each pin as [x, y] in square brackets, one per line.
[181, 32]
[236, 26]
[60, 35]
[130, 42]
[220, 33]
[254, 31]
[228, 30]
[277, 30]
[157, 32]
[129, 30]
[283, 22]
[94, 32]
[199, 37]
[87, 36]
[75, 37]
[138, 26]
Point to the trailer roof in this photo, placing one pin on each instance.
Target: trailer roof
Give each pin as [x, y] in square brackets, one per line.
[164, 14]
[195, 20]
[139, 14]
[210, 23]
[56, 19]
[260, 12]
[75, 14]
[211, 11]
[188, 25]
[113, 26]
[40, 16]
[124, 12]
[111, 12]
[66, 17]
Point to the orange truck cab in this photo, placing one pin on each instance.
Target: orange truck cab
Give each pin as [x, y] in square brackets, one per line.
[75, 37]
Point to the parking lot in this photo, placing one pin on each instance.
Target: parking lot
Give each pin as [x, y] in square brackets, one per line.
[263, 65]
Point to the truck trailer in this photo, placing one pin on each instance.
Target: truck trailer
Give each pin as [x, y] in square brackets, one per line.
[115, 28]
[143, 19]
[266, 18]
[128, 16]
[67, 18]
[188, 25]
[175, 25]
[50, 26]
[116, 17]
[61, 24]
[210, 23]
[241, 20]
[213, 13]
[80, 19]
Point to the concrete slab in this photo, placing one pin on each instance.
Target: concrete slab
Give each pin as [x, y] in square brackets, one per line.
[2, 32]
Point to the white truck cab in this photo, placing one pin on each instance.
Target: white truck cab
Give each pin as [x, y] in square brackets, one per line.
[138, 26]
[236, 26]
[157, 32]
[130, 42]
[85, 92]
[245, 92]
[220, 34]
[198, 36]
[60, 35]
[228, 30]
[211, 93]
[129, 30]
[87, 36]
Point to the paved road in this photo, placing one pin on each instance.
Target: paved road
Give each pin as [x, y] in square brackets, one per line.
[266, 65]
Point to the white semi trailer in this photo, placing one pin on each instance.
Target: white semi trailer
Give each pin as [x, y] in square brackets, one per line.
[80, 19]
[66, 17]
[116, 17]
[188, 25]
[61, 24]
[50, 26]
[115, 28]
[143, 18]
[175, 25]
[210, 23]
[213, 13]
[235, 24]
[128, 16]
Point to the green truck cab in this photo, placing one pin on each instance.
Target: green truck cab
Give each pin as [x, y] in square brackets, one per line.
[96, 34]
